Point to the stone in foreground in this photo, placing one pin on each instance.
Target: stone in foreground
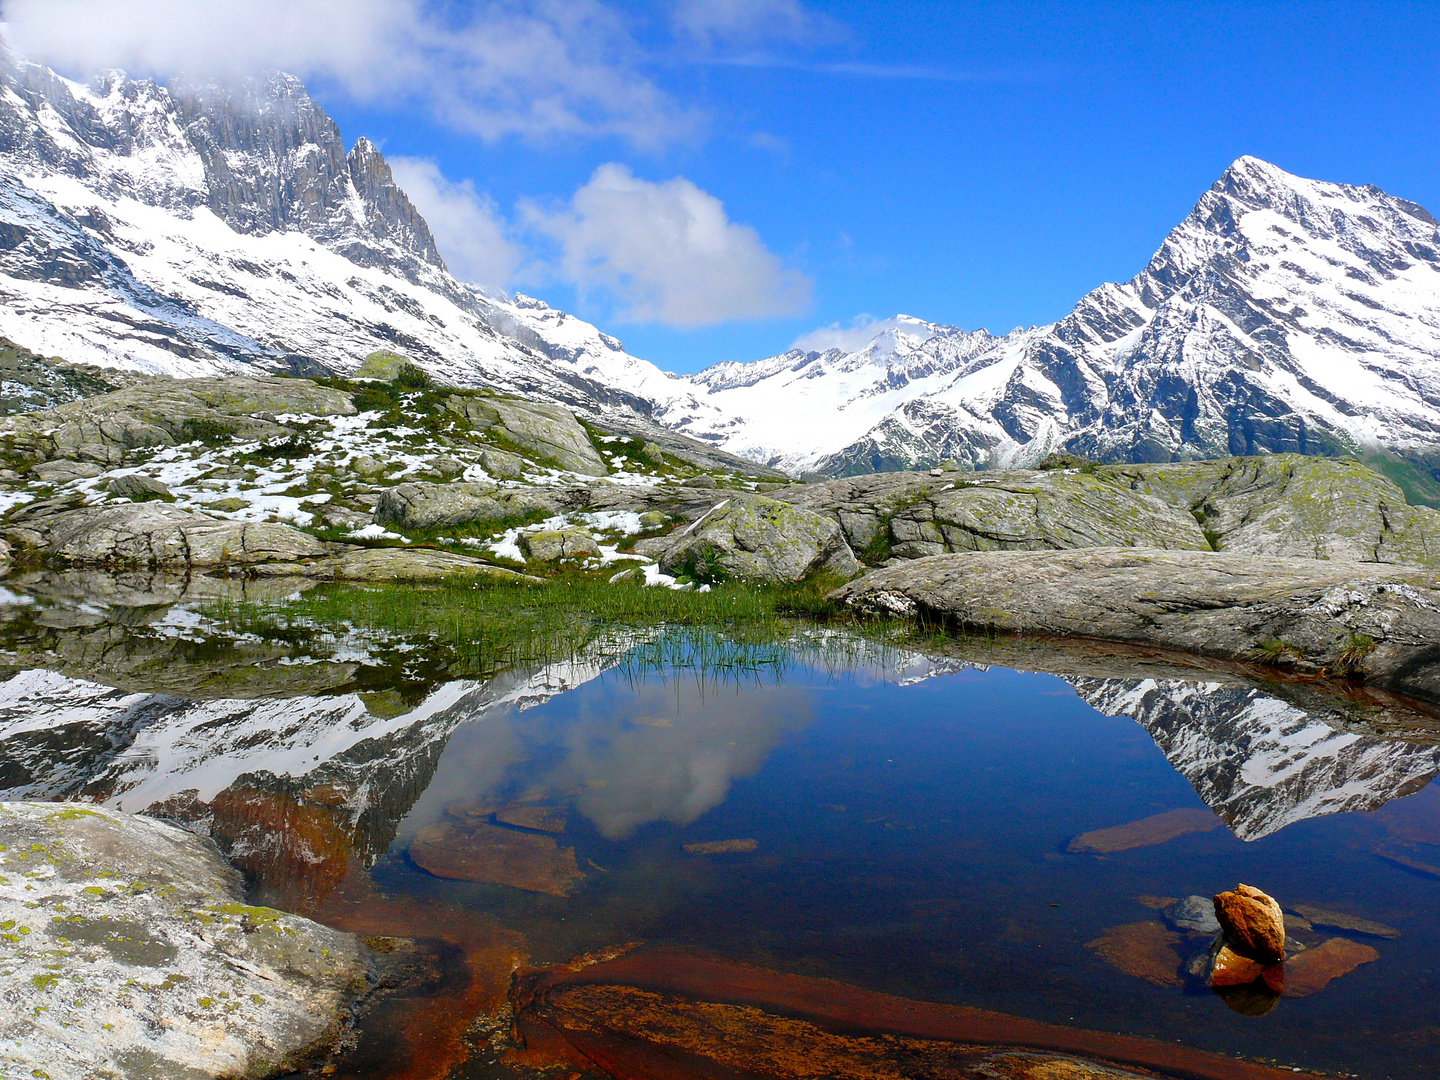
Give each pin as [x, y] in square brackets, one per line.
[1378, 622]
[1252, 923]
[126, 951]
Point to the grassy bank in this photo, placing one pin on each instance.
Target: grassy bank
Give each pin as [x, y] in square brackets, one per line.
[477, 630]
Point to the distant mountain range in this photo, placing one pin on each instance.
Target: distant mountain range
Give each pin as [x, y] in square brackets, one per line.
[197, 229]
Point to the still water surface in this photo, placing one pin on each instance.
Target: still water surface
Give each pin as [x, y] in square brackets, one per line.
[896, 822]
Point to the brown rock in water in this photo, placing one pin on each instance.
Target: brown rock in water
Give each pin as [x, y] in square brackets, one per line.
[1252, 923]
[650, 1014]
[721, 847]
[1145, 950]
[544, 818]
[1312, 970]
[1146, 832]
[498, 856]
[1156, 903]
[470, 810]
[1229, 968]
[1339, 920]
[1408, 861]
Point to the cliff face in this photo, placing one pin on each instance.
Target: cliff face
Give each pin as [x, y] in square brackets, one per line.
[201, 228]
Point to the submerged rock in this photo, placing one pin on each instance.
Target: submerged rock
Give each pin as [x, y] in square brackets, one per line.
[1147, 832]
[551, 819]
[722, 847]
[1340, 920]
[488, 853]
[1313, 970]
[126, 951]
[1252, 922]
[1145, 950]
[760, 539]
[1195, 913]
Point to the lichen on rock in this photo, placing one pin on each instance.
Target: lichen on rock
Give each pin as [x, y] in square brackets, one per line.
[127, 950]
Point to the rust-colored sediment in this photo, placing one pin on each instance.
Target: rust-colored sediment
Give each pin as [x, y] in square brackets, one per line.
[430, 1031]
[660, 1013]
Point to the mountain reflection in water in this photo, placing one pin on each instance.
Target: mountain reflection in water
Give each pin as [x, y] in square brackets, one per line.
[897, 820]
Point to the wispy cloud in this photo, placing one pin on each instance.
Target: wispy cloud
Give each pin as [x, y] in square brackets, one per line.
[863, 70]
[537, 71]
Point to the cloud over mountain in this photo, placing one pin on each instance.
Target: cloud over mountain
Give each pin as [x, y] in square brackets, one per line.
[667, 251]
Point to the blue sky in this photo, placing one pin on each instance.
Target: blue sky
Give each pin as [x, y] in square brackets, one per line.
[981, 164]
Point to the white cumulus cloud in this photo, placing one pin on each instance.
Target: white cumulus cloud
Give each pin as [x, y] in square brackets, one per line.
[468, 227]
[496, 69]
[667, 252]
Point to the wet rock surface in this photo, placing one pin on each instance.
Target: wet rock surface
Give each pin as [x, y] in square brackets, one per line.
[1376, 622]
[1312, 970]
[1145, 950]
[126, 951]
[1252, 923]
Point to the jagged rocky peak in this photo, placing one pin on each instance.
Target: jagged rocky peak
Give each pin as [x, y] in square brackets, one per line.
[270, 158]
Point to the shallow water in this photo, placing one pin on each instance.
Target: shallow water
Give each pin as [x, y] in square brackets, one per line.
[906, 827]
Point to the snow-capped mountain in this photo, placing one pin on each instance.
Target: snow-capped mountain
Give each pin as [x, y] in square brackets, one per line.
[198, 229]
[1259, 762]
[1282, 314]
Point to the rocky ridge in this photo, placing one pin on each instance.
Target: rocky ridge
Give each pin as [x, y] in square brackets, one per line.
[1283, 315]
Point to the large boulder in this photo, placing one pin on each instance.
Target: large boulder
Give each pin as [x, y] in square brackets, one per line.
[552, 545]
[155, 534]
[760, 539]
[1285, 504]
[128, 951]
[1253, 923]
[547, 431]
[912, 515]
[166, 412]
[422, 505]
[1296, 506]
[395, 564]
[1377, 622]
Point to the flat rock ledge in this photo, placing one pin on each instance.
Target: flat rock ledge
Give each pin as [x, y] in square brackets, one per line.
[126, 951]
[1372, 621]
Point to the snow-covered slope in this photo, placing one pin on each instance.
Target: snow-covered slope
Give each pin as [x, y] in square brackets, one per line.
[201, 229]
[1282, 314]
[1259, 762]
